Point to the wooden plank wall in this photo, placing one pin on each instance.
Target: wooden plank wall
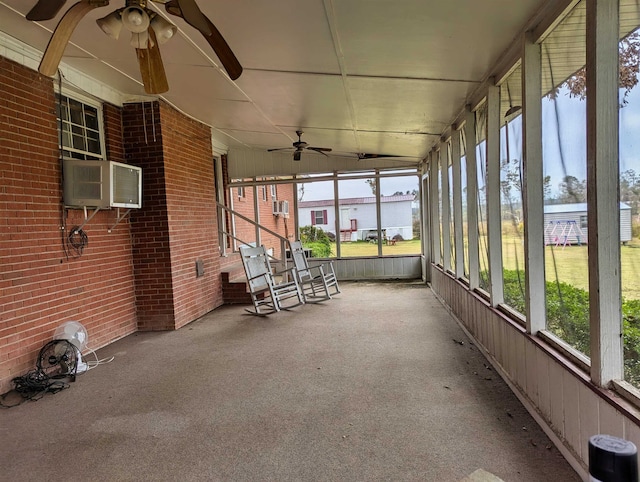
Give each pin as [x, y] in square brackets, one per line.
[560, 396]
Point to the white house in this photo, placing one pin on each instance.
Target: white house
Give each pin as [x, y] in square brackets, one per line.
[358, 220]
[566, 224]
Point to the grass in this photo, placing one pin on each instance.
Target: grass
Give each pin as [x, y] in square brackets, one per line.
[364, 248]
[570, 264]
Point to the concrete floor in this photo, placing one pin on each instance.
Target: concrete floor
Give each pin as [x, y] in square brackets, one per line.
[372, 385]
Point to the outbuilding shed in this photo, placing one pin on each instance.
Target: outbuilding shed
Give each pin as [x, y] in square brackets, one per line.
[566, 224]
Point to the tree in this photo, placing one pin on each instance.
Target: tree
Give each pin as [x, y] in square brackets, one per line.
[629, 67]
[372, 185]
[630, 189]
[572, 190]
[546, 187]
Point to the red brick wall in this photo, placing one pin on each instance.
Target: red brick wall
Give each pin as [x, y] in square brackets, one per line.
[279, 224]
[193, 227]
[40, 287]
[142, 134]
[177, 225]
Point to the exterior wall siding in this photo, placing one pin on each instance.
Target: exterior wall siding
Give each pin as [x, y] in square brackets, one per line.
[396, 217]
[559, 396]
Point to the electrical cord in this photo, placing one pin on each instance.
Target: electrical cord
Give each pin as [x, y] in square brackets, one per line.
[77, 240]
[33, 386]
[94, 363]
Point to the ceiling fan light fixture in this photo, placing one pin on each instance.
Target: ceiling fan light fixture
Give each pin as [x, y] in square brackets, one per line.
[141, 40]
[163, 29]
[135, 19]
[111, 24]
[296, 155]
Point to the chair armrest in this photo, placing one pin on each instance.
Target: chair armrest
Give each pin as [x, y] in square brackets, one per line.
[317, 267]
[292, 270]
[266, 275]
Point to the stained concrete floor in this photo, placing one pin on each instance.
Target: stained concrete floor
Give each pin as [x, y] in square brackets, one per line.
[369, 386]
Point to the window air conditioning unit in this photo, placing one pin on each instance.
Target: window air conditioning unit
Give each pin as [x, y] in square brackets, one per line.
[284, 208]
[280, 208]
[101, 184]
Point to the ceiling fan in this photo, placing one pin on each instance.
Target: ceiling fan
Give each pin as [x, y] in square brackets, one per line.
[148, 29]
[300, 145]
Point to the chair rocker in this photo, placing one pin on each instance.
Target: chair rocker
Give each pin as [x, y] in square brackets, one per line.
[267, 294]
[318, 282]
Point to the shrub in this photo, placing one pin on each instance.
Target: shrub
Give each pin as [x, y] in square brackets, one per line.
[316, 240]
[568, 318]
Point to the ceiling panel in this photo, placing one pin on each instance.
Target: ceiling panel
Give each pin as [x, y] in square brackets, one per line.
[299, 100]
[286, 35]
[456, 39]
[372, 76]
[400, 105]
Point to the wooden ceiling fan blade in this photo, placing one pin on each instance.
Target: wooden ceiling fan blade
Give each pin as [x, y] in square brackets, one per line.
[61, 35]
[280, 149]
[211, 35]
[193, 16]
[224, 52]
[152, 71]
[45, 10]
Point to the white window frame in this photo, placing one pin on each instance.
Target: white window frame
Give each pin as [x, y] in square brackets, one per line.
[95, 104]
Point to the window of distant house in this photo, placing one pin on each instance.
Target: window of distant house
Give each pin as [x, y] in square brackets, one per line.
[274, 191]
[240, 192]
[81, 131]
[263, 190]
[583, 222]
[319, 217]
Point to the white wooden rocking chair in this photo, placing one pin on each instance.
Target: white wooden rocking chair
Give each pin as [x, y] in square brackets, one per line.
[318, 282]
[267, 294]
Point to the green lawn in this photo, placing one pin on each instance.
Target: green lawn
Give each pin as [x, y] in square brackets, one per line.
[364, 248]
[570, 264]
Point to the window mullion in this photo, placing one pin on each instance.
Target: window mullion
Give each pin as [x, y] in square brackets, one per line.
[533, 198]
[493, 195]
[602, 191]
[472, 202]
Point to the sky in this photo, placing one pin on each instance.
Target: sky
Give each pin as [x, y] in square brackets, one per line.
[348, 188]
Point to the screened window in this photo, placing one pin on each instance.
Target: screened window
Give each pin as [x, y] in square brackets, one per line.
[511, 186]
[629, 179]
[463, 182]
[564, 142]
[481, 199]
[80, 127]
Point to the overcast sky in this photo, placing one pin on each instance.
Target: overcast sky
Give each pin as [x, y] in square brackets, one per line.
[316, 191]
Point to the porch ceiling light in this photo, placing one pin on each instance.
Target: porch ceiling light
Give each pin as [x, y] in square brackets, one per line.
[137, 20]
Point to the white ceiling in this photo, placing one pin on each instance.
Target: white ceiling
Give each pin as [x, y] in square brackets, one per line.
[359, 76]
